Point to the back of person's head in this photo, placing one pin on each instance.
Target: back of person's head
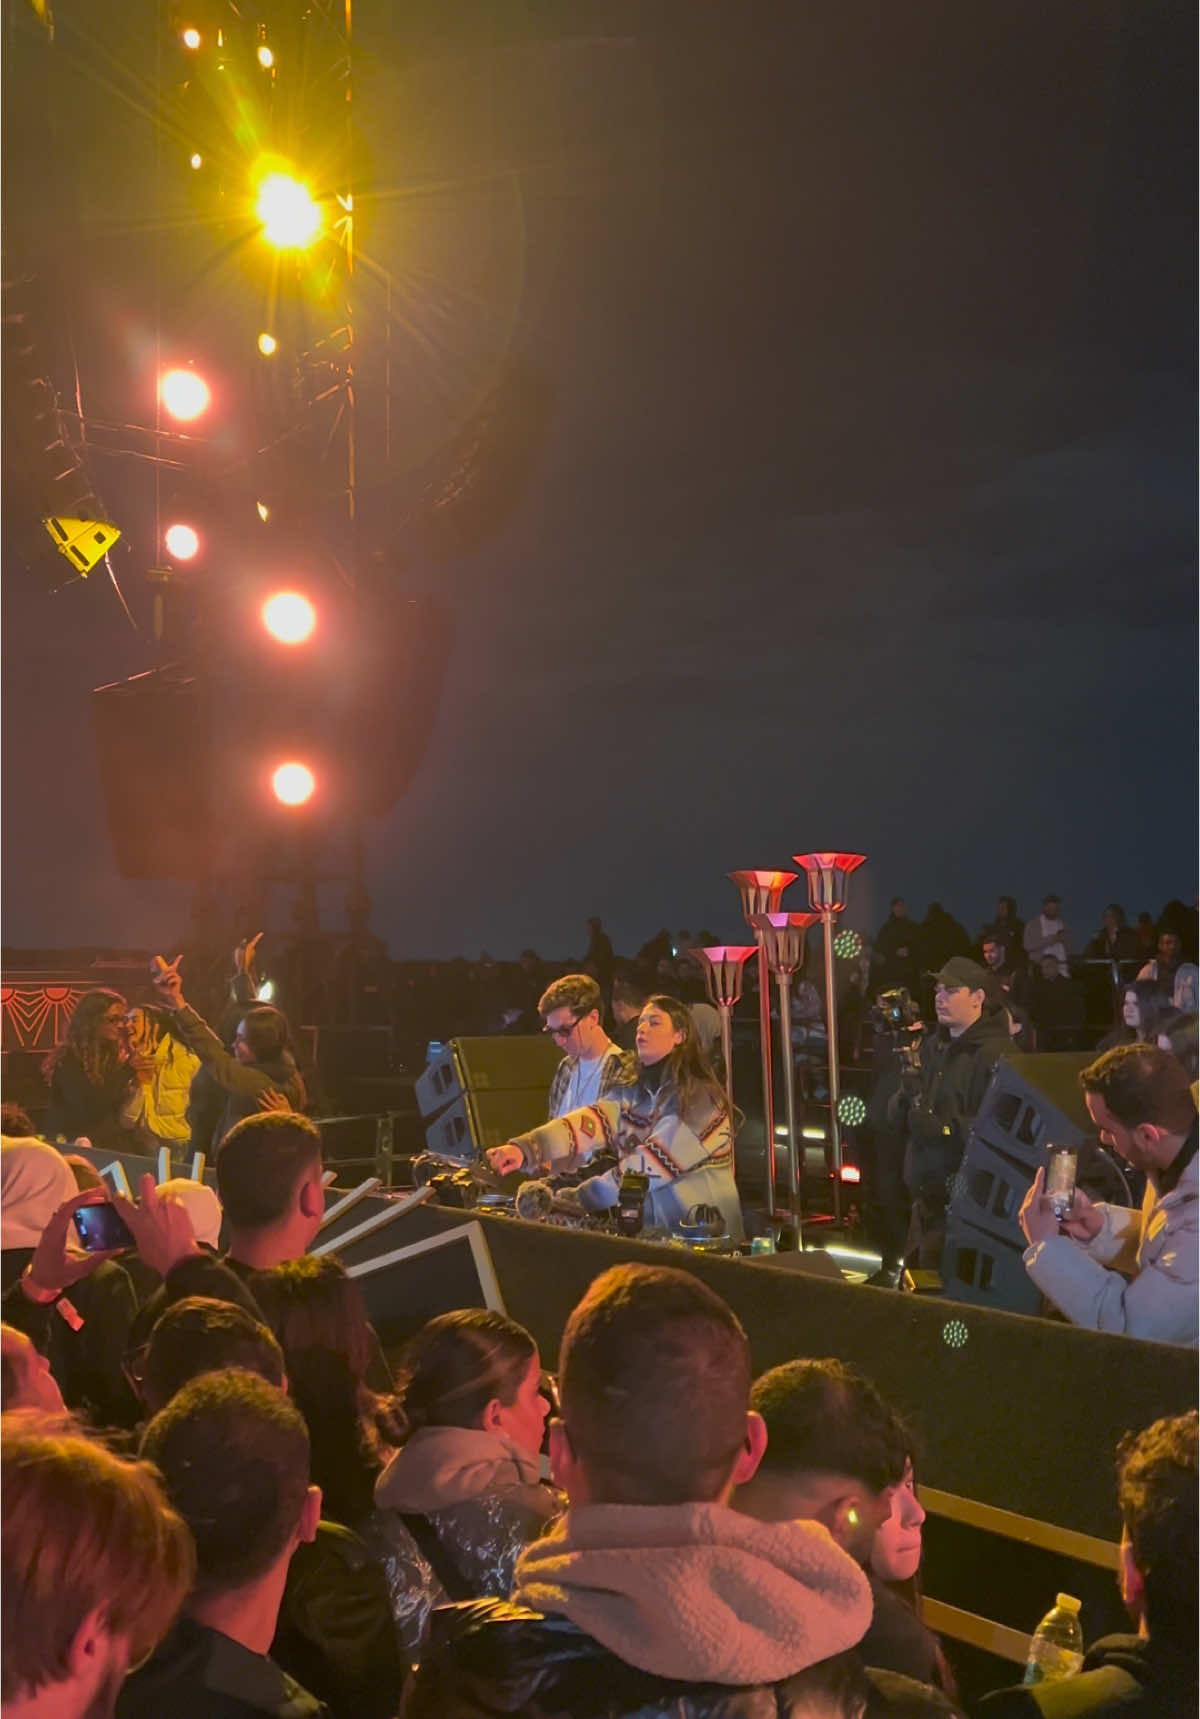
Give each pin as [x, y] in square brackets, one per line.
[26, 1381]
[260, 1165]
[655, 1381]
[1142, 1084]
[265, 1033]
[317, 1313]
[1157, 1493]
[824, 1417]
[35, 1179]
[197, 1336]
[85, 1537]
[16, 1122]
[201, 1204]
[575, 991]
[233, 1455]
[629, 990]
[311, 1304]
[457, 1363]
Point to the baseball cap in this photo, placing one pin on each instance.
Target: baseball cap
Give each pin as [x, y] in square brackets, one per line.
[959, 970]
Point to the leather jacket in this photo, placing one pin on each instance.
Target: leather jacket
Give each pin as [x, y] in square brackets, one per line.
[493, 1660]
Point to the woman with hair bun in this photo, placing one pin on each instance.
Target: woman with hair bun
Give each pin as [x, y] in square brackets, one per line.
[668, 1120]
[466, 1482]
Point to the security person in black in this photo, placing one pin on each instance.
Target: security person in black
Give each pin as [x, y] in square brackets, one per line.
[939, 1099]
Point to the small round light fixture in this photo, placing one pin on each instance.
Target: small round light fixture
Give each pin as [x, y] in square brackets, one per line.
[268, 345]
[293, 784]
[195, 161]
[852, 1111]
[183, 543]
[183, 394]
[289, 617]
[191, 38]
[265, 57]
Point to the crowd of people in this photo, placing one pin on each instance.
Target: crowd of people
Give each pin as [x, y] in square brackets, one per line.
[219, 1497]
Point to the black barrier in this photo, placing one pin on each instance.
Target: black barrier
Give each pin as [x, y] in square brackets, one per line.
[1015, 1412]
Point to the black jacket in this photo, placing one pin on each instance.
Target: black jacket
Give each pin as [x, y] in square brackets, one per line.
[198, 1673]
[954, 1077]
[82, 1107]
[1123, 1676]
[493, 1660]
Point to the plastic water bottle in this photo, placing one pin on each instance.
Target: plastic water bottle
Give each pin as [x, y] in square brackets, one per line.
[1056, 1646]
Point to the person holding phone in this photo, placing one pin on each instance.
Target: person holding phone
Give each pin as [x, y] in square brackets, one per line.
[1110, 1268]
[65, 1287]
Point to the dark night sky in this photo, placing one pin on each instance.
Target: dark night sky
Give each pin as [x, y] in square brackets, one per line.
[865, 508]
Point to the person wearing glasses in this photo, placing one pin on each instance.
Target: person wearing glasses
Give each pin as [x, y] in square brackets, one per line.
[571, 1011]
[668, 1120]
[89, 1074]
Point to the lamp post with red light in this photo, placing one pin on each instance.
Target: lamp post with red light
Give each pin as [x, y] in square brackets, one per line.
[723, 964]
[781, 938]
[827, 876]
[761, 892]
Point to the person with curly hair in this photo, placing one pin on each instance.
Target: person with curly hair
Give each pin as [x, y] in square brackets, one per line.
[89, 1075]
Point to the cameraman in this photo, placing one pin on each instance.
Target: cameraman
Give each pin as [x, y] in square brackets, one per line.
[940, 1096]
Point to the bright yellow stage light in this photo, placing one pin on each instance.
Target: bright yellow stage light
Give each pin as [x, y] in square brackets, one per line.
[191, 38]
[293, 784]
[182, 542]
[267, 345]
[266, 58]
[196, 161]
[290, 218]
[183, 394]
[289, 617]
[264, 512]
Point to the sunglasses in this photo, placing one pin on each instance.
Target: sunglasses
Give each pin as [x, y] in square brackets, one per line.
[562, 1032]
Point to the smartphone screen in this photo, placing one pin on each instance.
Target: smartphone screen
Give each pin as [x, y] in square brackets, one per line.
[1060, 1179]
[101, 1228]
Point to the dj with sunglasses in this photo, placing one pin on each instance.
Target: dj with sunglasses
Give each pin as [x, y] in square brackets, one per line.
[571, 1011]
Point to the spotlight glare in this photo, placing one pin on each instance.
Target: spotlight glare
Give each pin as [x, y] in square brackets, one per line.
[289, 617]
[290, 218]
[183, 394]
[266, 58]
[264, 512]
[267, 345]
[182, 542]
[191, 38]
[196, 161]
[293, 784]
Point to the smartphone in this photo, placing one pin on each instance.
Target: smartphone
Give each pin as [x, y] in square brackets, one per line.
[101, 1228]
[1060, 1179]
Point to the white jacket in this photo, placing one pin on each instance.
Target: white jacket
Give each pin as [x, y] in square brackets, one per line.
[1139, 1275]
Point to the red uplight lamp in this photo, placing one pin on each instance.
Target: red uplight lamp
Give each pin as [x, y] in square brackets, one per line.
[827, 876]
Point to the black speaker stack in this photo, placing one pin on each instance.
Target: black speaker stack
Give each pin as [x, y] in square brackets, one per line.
[1033, 1102]
[480, 1092]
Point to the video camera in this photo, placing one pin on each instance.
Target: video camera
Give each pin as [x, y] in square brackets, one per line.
[897, 1018]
